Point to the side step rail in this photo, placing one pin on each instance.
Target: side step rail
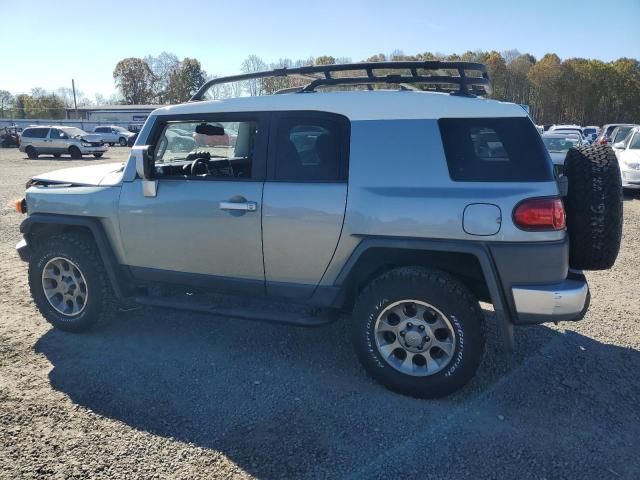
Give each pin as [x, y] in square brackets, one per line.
[245, 313]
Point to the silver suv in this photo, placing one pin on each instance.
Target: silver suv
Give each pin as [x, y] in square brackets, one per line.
[113, 134]
[400, 208]
[59, 140]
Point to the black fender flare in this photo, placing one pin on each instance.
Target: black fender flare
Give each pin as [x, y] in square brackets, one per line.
[118, 274]
[478, 250]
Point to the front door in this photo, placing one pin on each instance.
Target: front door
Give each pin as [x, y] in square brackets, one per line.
[57, 141]
[204, 224]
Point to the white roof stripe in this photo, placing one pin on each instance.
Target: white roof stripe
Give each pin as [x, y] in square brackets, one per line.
[360, 105]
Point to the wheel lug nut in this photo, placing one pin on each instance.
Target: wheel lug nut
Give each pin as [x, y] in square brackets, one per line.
[402, 333]
[409, 324]
[421, 327]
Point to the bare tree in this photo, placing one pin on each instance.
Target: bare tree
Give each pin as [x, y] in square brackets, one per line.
[162, 66]
[253, 64]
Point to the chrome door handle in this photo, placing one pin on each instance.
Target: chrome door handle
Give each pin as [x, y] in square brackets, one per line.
[239, 206]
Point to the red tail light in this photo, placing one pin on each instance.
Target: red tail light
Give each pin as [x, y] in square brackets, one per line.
[540, 214]
[603, 141]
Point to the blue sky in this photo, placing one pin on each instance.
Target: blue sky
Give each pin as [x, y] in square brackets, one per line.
[45, 44]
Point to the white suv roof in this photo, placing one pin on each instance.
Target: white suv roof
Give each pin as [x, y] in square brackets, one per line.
[360, 105]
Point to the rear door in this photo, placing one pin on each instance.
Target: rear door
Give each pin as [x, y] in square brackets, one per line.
[40, 139]
[304, 199]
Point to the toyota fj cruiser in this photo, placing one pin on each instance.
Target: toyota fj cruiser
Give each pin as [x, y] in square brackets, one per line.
[403, 207]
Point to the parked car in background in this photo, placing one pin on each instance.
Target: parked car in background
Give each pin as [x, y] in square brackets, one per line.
[619, 134]
[564, 129]
[135, 127]
[604, 137]
[58, 140]
[591, 132]
[113, 134]
[558, 144]
[628, 154]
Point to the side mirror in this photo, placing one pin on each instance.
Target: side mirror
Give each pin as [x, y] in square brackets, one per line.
[618, 145]
[145, 170]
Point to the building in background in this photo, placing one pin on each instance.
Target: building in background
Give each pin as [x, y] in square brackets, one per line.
[112, 113]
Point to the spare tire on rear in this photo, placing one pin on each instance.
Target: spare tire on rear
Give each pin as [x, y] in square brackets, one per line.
[593, 206]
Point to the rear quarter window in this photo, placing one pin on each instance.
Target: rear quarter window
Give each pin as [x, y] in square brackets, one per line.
[507, 149]
[35, 132]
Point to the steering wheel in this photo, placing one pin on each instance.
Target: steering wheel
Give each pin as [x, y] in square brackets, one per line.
[200, 166]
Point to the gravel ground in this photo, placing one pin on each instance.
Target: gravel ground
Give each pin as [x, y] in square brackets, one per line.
[160, 394]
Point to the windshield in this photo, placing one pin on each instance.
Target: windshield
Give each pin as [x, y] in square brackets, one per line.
[589, 131]
[621, 134]
[73, 131]
[121, 129]
[559, 144]
[635, 142]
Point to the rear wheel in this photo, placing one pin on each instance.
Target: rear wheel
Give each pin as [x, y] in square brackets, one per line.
[75, 152]
[122, 141]
[31, 152]
[418, 332]
[68, 282]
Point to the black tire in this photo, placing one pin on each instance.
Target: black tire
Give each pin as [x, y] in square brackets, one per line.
[31, 152]
[56, 155]
[122, 141]
[81, 250]
[97, 155]
[593, 207]
[75, 152]
[111, 144]
[444, 293]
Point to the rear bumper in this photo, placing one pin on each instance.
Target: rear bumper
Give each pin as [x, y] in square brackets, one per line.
[564, 301]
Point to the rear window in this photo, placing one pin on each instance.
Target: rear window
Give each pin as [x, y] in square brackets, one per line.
[494, 150]
[35, 132]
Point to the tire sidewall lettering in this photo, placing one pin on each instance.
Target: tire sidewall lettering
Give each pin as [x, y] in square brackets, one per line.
[371, 343]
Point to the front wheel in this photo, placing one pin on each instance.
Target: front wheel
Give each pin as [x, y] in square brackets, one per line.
[31, 152]
[75, 153]
[122, 141]
[418, 332]
[68, 282]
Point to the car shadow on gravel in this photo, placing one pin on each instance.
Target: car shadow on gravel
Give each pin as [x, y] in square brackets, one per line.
[278, 401]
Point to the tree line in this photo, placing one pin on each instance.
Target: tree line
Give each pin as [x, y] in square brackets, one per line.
[575, 90]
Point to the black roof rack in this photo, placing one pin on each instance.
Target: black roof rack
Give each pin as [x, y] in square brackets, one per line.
[430, 73]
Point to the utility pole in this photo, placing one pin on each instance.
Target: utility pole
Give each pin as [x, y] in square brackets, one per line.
[75, 102]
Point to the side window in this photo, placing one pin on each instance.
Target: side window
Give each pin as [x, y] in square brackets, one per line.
[206, 150]
[494, 150]
[40, 132]
[28, 133]
[310, 148]
[55, 133]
